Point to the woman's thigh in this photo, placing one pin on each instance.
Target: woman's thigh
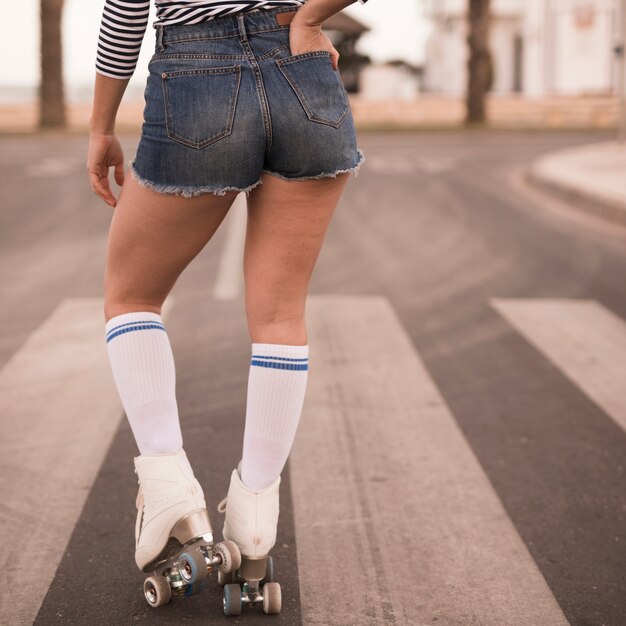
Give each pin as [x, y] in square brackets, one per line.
[152, 238]
[287, 223]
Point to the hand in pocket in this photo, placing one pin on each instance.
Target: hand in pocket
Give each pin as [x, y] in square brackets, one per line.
[309, 39]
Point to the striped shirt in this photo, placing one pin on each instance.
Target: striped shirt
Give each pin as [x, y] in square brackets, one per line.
[124, 23]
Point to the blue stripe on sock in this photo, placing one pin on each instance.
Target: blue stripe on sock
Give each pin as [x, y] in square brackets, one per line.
[280, 366]
[279, 358]
[131, 326]
[134, 324]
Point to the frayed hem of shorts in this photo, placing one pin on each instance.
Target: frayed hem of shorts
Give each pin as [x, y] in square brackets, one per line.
[354, 169]
[187, 191]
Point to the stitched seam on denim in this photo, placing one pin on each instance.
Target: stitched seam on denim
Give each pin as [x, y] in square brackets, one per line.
[231, 111]
[256, 70]
[303, 55]
[167, 41]
[190, 55]
[200, 70]
[273, 51]
[305, 105]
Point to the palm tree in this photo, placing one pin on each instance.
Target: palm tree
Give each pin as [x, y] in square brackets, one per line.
[51, 90]
[480, 68]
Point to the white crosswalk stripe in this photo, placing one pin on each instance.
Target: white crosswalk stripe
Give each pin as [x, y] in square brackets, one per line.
[60, 411]
[586, 341]
[395, 520]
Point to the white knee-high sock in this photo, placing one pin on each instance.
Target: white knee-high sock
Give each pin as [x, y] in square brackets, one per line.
[143, 369]
[276, 388]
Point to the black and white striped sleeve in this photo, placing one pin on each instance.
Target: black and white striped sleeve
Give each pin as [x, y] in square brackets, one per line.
[122, 29]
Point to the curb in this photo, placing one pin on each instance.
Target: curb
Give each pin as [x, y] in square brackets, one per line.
[587, 201]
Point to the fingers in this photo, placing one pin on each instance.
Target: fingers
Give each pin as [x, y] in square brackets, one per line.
[119, 173]
[104, 151]
[101, 186]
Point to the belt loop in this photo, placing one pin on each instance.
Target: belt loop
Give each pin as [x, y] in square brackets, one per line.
[159, 42]
[242, 28]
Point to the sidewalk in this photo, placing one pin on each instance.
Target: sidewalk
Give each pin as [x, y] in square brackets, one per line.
[425, 111]
[592, 177]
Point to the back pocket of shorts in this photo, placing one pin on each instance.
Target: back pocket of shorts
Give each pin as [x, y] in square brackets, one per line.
[317, 85]
[200, 103]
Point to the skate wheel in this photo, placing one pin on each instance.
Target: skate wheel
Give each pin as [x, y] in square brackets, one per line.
[269, 571]
[192, 566]
[272, 598]
[195, 588]
[157, 591]
[232, 599]
[230, 555]
[225, 578]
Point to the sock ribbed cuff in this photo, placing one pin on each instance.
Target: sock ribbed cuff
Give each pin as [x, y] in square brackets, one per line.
[134, 320]
[280, 356]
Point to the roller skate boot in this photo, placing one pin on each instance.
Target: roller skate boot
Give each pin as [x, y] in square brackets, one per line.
[173, 533]
[251, 519]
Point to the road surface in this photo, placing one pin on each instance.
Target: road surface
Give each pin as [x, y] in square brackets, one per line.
[460, 458]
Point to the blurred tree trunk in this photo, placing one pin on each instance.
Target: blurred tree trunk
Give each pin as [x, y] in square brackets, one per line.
[480, 71]
[51, 90]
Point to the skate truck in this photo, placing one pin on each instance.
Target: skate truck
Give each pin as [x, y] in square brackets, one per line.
[251, 585]
[251, 519]
[184, 571]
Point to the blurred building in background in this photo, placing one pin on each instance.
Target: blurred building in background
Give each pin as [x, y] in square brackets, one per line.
[344, 32]
[539, 47]
[396, 79]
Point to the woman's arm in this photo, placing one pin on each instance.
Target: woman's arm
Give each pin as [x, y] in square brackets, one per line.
[314, 12]
[305, 31]
[122, 28]
[107, 95]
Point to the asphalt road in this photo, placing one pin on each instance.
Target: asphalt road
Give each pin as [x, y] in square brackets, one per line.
[442, 228]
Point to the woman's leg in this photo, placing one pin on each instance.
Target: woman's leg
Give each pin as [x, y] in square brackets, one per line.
[287, 223]
[152, 238]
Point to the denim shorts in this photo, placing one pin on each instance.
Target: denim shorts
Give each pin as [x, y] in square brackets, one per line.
[225, 101]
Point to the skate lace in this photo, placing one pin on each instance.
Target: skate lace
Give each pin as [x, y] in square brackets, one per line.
[221, 507]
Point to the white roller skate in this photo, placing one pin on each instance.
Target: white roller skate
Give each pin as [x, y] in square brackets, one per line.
[251, 521]
[173, 533]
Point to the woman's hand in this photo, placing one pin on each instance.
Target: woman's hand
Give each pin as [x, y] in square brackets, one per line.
[104, 151]
[303, 38]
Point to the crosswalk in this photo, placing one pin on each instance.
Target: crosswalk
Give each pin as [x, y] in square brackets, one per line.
[585, 340]
[395, 520]
[422, 534]
[60, 411]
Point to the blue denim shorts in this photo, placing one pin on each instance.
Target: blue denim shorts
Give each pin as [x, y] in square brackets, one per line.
[225, 101]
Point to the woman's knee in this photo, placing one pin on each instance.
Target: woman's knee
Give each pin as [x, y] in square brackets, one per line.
[270, 301]
[278, 329]
[124, 294]
[112, 308]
